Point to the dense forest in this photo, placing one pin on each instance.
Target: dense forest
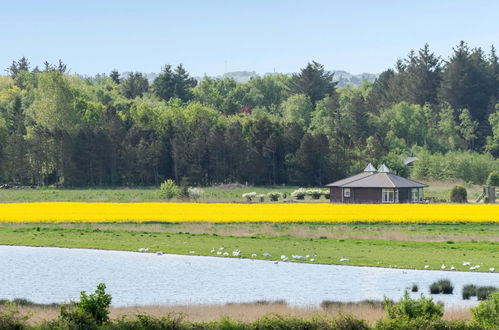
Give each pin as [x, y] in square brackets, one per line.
[59, 128]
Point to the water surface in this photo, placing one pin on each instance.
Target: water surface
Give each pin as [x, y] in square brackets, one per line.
[47, 275]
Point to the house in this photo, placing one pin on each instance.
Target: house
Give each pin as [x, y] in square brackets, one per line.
[376, 186]
[409, 161]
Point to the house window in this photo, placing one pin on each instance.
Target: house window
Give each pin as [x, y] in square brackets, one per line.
[415, 194]
[390, 195]
[346, 192]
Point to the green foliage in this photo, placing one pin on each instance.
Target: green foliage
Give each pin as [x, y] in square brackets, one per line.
[493, 179]
[484, 292]
[486, 315]
[441, 286]
[408, 308]
[297, 109]
[135, 85]
[274, 196]
[458, 194]
[469, 290]
[168, 189]
[313, 81]
[57, 128]
[11, 318]
[95, 304]
[174, 84]
[467, 166]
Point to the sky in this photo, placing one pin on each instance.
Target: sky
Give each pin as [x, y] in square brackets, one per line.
[213, 36]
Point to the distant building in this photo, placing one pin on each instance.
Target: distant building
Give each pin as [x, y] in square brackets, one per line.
[376, 186]
[409, 161]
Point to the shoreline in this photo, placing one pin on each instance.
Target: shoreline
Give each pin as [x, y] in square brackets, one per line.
[275, 261]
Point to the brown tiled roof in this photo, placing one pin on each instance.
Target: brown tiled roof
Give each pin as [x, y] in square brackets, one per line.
[376, 180]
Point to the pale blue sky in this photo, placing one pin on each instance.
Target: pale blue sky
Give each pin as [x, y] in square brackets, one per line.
[94, 36]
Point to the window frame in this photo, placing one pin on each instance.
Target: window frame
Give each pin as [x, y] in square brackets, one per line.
[347, 192]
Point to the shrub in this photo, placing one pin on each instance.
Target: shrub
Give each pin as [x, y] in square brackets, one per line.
[484, 292]
[195, 193]
[458, 194]
[168, 189]
[327, 193]
[89, 313]
[11, 318]
[299, 194]
[469, 291]
[249, 196]
[414, 308]
[493, 179]
[314, 193]
[486, 315]
[441, 286]
[274, 196]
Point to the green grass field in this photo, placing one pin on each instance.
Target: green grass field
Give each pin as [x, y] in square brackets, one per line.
[410, 245]
[440, 190]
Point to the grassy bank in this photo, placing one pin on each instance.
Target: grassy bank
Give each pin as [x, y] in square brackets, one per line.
[244, 312]
[417, 246]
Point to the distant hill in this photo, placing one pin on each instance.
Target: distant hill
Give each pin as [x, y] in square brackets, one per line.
[343, 78]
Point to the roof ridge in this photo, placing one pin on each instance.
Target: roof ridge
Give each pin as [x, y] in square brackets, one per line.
[361, 178]
[389, 178]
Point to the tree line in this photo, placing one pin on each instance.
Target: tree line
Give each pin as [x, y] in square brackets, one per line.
[60, 128]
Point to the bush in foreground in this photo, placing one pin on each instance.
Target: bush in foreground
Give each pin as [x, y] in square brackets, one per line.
[486, 315]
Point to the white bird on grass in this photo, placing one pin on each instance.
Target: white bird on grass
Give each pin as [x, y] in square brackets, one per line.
[492, 269]
[452, 268]
[312, 259]
[344, 259]
[299, 257]
[212, 251]
[266, 255]
[236, 253]
[219, 253]
[253, 255]
[426, 266]
[225, 254]
[466, 263]
[442, 267]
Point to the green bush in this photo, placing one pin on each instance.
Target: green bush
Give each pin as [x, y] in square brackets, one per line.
[274, 196]
[493, 179]
[414, 308]
[441, 286]
[461, 165]
[299, 194]
[486, 315]
[469, 291]
[484, 292]
[314, 193]
[168, 189]
[458, 194]
[11, 318]
[90, 312]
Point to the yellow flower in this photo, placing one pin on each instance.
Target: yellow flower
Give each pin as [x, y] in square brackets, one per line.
[207, 212]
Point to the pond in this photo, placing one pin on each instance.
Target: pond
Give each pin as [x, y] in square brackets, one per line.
[47, 275]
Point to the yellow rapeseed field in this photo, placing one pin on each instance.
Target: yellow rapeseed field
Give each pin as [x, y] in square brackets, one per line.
[198, 212]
